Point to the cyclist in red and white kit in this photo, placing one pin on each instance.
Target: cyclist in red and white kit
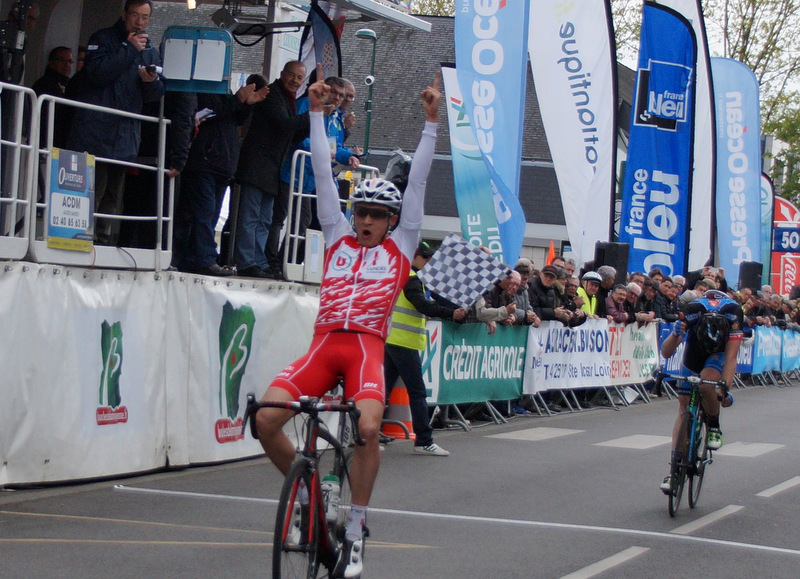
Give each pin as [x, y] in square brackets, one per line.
[365, 269]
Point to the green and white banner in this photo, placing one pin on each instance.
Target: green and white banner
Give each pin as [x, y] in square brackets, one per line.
[474, 366]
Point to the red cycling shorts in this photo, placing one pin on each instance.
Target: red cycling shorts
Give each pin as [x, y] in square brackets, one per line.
[356, 357]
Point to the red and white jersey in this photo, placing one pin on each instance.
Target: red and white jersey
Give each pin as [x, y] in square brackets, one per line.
[360, 286]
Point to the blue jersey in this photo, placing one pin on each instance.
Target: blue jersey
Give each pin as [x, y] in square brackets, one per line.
[698, 350]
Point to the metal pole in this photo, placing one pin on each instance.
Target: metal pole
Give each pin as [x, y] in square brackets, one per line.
[368, 104]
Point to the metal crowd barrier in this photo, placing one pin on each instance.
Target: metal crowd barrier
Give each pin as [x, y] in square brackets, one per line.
[306, 266]
[23, 216]
[17, 168]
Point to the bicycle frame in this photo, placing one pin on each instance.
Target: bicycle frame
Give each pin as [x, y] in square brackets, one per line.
[325, 535]
[688, 460]
[695, 408]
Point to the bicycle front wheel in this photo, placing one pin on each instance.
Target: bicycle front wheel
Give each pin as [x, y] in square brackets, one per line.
[699, 460]
[295, 551]
[678, 465]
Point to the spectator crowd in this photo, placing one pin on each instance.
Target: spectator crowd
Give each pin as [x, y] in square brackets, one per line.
[249, 137]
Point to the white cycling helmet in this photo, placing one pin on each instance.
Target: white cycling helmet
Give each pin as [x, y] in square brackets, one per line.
[378, 191]
[592, 276]
[714, 294]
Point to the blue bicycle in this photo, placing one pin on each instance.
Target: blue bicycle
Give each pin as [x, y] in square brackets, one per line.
[691, 455]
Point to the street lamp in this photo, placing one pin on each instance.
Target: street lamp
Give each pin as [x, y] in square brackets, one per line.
[367, 34]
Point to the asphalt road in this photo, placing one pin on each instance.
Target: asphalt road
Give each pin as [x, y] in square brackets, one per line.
[574, 495]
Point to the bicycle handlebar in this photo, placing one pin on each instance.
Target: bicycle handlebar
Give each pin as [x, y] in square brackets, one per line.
[719, 385]
[304, 405]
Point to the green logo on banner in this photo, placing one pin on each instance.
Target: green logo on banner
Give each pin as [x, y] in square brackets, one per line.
[111, 349]
[235, 339]
[110, 409]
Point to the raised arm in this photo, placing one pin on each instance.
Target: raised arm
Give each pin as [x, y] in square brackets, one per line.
[328, 210]
[413, 199]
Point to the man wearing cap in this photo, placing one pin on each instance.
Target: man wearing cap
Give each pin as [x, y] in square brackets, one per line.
[404, 344]
[590, 284]
[608, 276]
[543, 298]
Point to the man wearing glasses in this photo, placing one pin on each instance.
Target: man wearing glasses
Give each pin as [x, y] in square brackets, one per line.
[119, 73]
[334, 131]
[366, 266]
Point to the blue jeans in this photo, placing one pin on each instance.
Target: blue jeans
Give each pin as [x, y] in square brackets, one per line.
[255, 217]
[201, 200]
[406, 363]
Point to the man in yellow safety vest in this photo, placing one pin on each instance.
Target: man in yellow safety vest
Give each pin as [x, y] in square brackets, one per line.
[406, 340]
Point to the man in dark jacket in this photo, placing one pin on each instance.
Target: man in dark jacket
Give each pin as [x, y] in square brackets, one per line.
[543, 298]
[140, 193]
[117, 74]
[212, 163]
[275, 126]
[54, 82]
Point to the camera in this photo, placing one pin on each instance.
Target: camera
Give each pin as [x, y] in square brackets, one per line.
[370, 80]
[152, 68]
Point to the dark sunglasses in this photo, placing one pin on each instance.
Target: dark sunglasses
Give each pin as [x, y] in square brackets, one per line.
[363, 212]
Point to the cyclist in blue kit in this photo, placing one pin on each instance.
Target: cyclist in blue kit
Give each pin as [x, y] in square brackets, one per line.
[712, 326]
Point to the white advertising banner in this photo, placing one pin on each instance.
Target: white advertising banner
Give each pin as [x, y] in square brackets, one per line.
[560, 358]
[633, 352]
[110, 372]
[573, 59]
[239, 340]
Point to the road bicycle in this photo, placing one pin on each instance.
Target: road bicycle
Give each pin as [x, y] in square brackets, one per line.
[691, 455]
[312, 509]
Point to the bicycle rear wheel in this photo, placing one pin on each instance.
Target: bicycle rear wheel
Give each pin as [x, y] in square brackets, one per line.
[678, 465]
[699, 460]
[295, 551]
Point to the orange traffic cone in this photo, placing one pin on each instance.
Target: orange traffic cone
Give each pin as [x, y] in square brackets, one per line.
[398, 414]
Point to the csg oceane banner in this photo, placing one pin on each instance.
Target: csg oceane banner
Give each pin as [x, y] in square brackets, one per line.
[490, 42]
[738, 200]
[704, 147]
[473, 186]
[573, 58]
[657, 185]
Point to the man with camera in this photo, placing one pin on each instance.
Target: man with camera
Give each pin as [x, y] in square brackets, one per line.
[120, 72]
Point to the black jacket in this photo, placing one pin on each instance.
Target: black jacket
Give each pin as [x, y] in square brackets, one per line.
[55, 84]
[543, 300]
[110, 78]
[415, 293]
[215, 148]
[273, 128]
[179, 108]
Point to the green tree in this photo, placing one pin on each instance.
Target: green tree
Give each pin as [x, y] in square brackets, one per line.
[760, 34]
[433, 7]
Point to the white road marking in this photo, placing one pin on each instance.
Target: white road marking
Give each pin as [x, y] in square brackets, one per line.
[636, 441]
[771, 492]
[534, 434]
[607, 563]
[706, 520]
[493, 520]
[747, 449]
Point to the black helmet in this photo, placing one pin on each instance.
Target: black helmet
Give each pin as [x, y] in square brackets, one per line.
[397, 169]
[712, 331]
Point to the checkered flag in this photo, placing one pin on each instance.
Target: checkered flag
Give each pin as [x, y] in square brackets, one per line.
[460, 272]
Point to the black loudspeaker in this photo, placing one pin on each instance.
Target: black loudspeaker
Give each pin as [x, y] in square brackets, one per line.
[750, 275]
[615, 255]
